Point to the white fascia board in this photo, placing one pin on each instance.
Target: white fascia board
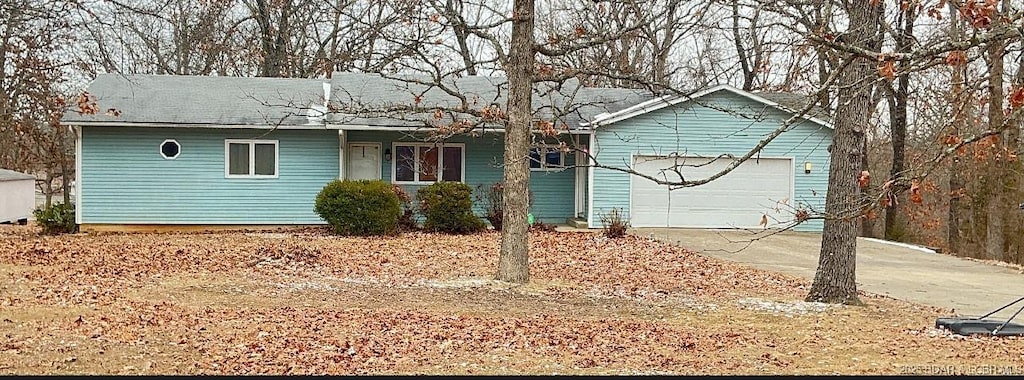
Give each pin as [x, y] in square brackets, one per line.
[193, 125]
[354, 127]
[407, 128]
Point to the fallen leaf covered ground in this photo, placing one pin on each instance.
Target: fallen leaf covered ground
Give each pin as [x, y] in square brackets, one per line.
[306, 302]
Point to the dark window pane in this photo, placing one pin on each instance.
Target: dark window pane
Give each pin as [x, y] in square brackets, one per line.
[266, 159]
[452, 164]
[405, 169]
[428, 164]
[170, 149]
[238, 159]
[553, 158]
[534, 158]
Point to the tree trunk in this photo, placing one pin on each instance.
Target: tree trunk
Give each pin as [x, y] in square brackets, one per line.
[1014, 218]
[741, 52]
[994, 238]
[956, 185]
[660, 69]
[835, 279]
[898, 119]
[826, 64]
[48, 189]
[273, 38]
[513, 261]
[867, 225]
[959, 102]
[459, 27]
[898, 132]
[65, 172]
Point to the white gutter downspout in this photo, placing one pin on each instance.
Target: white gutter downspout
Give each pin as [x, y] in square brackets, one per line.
[78, 173]
[341, 133]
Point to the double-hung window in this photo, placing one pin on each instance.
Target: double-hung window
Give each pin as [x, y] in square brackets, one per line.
[250, 158]
[546, 158]
[417, 163]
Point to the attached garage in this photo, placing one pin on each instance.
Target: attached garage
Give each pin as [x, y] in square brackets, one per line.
[736, 200]
[790, 173]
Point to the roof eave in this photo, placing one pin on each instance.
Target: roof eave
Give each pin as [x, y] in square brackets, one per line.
[421, 128]
[194, 125]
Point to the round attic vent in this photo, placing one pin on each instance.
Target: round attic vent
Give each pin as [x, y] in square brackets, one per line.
[170, 149]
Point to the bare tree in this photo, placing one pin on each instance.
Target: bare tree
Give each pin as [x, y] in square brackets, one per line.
[513, 261]
[834, 281]
[184, 37]
[996, 176]
[34, 35]
[294, 38]
[897, 101]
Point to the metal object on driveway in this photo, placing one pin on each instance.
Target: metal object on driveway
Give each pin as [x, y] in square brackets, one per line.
[982, 325]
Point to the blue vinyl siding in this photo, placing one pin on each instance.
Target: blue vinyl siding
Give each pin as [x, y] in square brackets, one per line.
[710, 128]
[125, 180]
[553, 191]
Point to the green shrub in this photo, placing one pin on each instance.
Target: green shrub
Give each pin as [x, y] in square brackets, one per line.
[614, 225]
[359, 207]
[59, 218]
[448, 207]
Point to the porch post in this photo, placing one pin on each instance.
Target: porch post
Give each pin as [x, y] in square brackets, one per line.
[341, 154]
[582, 164]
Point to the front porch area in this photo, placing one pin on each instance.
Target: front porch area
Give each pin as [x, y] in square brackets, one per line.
[413, 159]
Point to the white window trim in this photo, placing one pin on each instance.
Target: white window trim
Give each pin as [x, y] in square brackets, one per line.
[543, 159]
[416, 167]
[252, 159]
[161, 148]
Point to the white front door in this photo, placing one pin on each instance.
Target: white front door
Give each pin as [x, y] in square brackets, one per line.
[362, 161]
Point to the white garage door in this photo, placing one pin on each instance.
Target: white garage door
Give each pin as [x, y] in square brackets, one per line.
[736, 200]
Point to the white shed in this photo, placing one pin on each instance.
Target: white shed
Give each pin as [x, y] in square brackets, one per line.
[17, 196]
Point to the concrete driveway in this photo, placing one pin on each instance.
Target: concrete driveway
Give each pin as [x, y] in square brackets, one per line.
[903, 272]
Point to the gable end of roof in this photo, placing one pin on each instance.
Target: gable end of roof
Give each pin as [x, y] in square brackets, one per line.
[670, 100]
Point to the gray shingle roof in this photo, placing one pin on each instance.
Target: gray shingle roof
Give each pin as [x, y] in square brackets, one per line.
[371, 99]
[179, 99]
[796, 102]
[11, 175]
[356, 99]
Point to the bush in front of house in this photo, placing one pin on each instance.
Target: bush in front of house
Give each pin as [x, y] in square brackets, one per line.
[407, 219]
[493, 206]
[493, 202]
[448, 207]
[614, 225]
[57, 219]
[359, 207]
